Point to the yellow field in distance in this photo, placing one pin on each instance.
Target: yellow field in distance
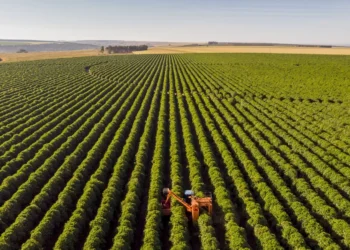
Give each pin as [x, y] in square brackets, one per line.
[17, 57]
[246, 49]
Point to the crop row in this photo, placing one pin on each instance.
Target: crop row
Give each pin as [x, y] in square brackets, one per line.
[88, 144]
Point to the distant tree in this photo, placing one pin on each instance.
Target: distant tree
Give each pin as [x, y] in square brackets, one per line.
[109, 49]
[22, 51]
[125, 49]
[102, 49]
[213, 43]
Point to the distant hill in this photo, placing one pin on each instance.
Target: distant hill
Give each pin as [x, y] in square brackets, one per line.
[22, 42]
[12, 46]
[127, 43]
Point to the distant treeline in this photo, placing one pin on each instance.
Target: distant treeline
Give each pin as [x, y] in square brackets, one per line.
[213, 43]
[125, 49]
[317, 46]
[192, 45]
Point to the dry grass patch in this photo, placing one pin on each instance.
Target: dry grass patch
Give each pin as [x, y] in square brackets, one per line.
[247, 49]
[17, 57]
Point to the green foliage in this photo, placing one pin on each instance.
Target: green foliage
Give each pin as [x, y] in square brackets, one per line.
[87, 145]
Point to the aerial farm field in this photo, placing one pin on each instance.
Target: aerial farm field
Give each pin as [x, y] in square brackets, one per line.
[88, 144]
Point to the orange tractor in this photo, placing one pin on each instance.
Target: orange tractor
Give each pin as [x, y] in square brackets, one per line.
[192, 203]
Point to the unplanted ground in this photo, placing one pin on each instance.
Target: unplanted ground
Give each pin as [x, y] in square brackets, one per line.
[247, 49]
[17, 57]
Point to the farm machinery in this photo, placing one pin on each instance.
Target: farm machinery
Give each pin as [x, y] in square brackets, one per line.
[194, 205]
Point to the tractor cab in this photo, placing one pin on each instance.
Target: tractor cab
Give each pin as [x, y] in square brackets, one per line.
[187, 196]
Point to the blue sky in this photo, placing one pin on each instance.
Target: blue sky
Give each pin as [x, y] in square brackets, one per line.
[308, 21]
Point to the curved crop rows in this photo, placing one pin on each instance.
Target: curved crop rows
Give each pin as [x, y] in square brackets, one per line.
[88, 144]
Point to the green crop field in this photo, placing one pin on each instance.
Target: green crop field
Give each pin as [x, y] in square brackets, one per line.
[88, 144]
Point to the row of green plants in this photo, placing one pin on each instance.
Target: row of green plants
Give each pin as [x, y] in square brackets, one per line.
[87, 86]
[257, 222]
[340, 226]
[112, 196]
[297, 112]
[75, 183]
[37, 114]
[332, 156]
[52, 140]
[328, 212]
[315, 177]
[90, 198]
[130, 206]
[234, 233]
[22, 94]
[42, 175]
[312, 119]
[334, 176]
[33, 103]
[153, 226]
[40, 95]
[251, 147]
[290, 114]
[36, 136]
[111, 70]
[14, 163]
[179, 231]
[27, 218]
[205, 224]
[78, 172]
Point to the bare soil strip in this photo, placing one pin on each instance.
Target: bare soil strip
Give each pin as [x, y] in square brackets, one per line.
[31, 56]
[247, 49]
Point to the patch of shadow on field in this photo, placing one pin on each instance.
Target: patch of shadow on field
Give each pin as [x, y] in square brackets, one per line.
[165, 234]
[307, 100]
[87, 69]
[234, 97]
[285, 98]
